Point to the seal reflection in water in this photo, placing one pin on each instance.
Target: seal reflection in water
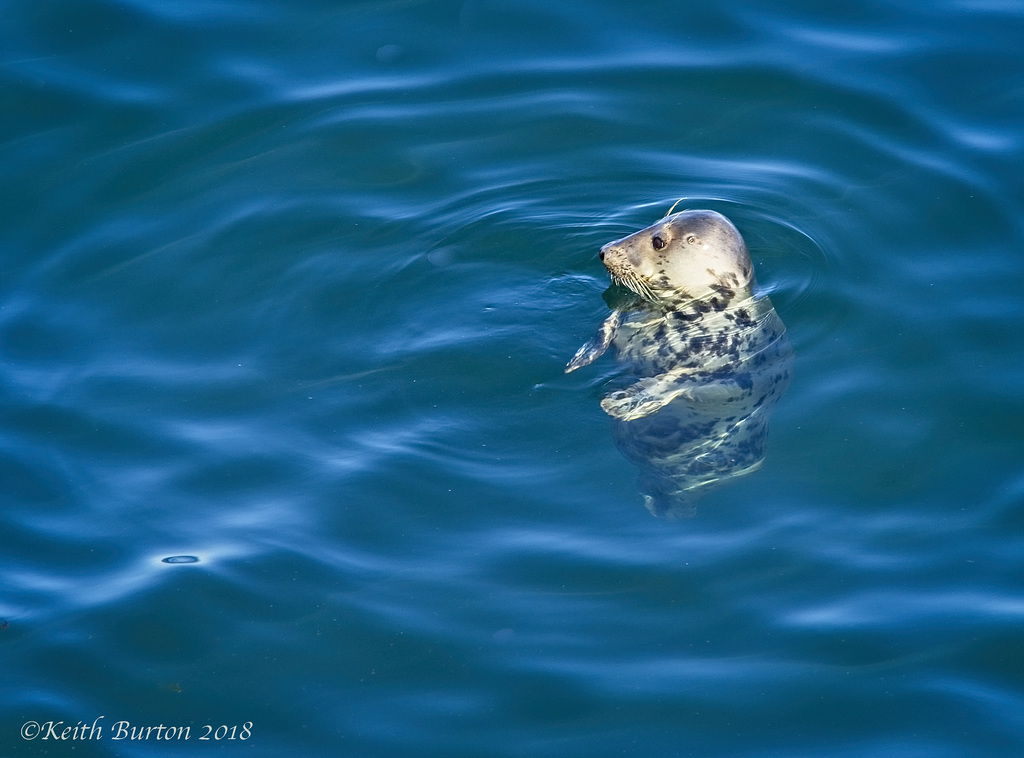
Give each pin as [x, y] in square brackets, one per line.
[709, 357]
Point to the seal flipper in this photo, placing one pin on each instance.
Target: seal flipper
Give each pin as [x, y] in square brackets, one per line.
[641, 398]
[649, 395]
[596, 347]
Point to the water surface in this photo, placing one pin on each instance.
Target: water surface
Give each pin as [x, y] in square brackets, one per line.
[289, 289]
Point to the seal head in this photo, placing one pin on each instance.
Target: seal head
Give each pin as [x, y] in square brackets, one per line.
[688, 256]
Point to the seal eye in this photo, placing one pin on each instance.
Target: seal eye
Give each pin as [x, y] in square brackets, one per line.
[658, 242]
[691, 240]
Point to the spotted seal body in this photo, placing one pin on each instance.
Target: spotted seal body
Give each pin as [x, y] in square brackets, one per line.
[708, 357]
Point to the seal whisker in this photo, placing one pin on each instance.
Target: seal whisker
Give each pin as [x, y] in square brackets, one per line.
[635, 284]
[677, 202]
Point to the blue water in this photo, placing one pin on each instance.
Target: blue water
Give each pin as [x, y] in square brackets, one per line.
[288, 289]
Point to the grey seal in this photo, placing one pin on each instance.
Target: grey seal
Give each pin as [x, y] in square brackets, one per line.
[708, 357]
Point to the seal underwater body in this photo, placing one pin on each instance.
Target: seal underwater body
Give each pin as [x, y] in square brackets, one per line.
[709, 358]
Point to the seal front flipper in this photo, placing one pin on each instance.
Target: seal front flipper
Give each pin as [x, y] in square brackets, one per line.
[645, 396]
[596, 347]
[649, 395]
